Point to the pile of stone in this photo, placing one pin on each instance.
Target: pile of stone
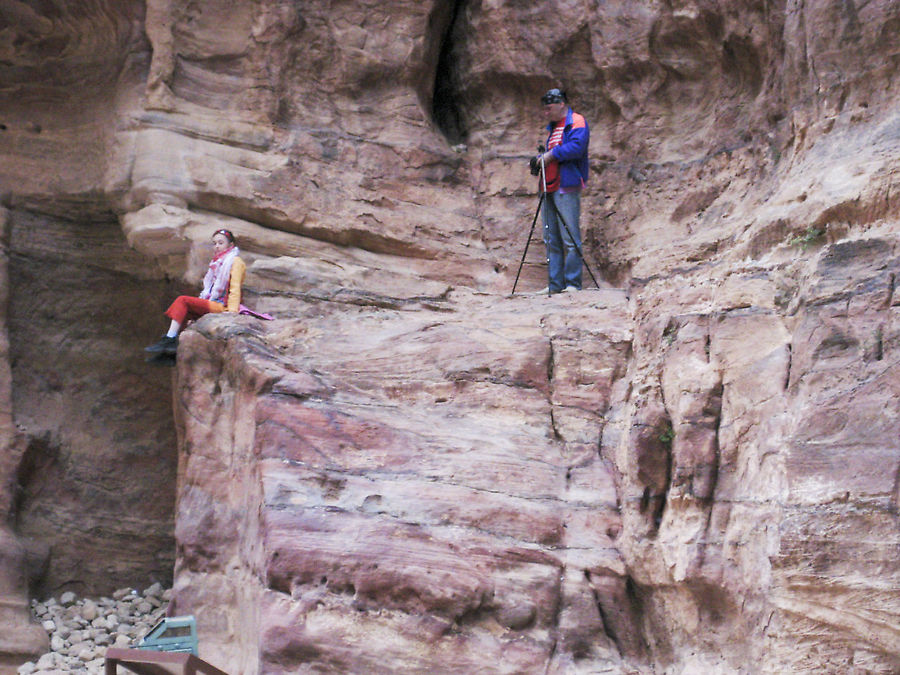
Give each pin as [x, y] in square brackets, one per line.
[81, 629]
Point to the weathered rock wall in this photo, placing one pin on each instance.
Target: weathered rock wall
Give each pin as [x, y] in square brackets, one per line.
[710, 476]
[697, 504]
[20, 637]
[774, 399]
[405, 493]
[95, 482]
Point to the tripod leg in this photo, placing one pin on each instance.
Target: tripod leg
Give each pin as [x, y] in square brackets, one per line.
[572, 237]
[528, 243]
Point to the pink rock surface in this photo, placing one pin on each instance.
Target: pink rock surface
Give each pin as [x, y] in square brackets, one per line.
[694, 470]
[434, 482]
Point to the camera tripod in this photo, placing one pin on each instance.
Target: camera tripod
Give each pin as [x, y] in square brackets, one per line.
[561, 219]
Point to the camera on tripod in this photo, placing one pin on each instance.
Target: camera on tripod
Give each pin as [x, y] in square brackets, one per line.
[535, 162]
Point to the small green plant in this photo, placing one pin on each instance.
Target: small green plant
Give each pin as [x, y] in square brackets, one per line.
[807, 238]
[670, 333]
[666, 434]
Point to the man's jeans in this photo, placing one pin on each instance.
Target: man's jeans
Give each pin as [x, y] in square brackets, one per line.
[563, 261]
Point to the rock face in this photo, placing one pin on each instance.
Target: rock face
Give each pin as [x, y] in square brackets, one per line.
[691, 470]
[437, 484]
[20, 637]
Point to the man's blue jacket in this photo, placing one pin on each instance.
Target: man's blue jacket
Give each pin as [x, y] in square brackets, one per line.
[572, 153]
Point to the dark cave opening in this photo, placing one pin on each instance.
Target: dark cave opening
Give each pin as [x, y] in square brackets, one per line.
[445, 109]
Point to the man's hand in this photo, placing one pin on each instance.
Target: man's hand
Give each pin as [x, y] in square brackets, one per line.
[535, 164]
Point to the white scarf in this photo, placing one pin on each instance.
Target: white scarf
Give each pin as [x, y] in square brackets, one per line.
[215, 283]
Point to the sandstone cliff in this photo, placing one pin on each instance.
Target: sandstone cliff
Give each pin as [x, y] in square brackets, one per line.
[691, 470]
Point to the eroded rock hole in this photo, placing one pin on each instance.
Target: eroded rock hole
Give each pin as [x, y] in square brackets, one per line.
[445, 111]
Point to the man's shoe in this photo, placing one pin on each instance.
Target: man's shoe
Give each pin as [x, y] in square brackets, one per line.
[165, 345]
[569, 289]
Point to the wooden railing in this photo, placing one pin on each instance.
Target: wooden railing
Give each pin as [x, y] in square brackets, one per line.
[147, 662]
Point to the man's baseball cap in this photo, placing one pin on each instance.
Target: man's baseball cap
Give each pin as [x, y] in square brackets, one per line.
[554, 96]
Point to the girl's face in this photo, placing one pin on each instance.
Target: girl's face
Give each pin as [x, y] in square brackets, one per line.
[220, 243]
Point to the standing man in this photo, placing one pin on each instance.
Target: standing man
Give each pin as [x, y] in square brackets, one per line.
[565, 167]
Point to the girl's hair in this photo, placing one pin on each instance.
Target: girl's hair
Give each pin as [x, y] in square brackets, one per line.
[225, 233]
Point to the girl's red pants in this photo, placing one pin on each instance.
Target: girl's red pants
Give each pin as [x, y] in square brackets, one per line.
[188, 307]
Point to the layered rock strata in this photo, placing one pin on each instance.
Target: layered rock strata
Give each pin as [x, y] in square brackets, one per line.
[357, 502]
[701, 477]
[95, 482]
[19, 637]
[775, 400]
[428, 475]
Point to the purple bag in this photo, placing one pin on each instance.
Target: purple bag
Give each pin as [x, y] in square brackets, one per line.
[249, 312]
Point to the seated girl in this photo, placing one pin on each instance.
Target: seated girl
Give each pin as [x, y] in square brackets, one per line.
[221, 292]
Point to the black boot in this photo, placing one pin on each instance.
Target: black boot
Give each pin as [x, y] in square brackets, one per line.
[165, 345]
[172, 348]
